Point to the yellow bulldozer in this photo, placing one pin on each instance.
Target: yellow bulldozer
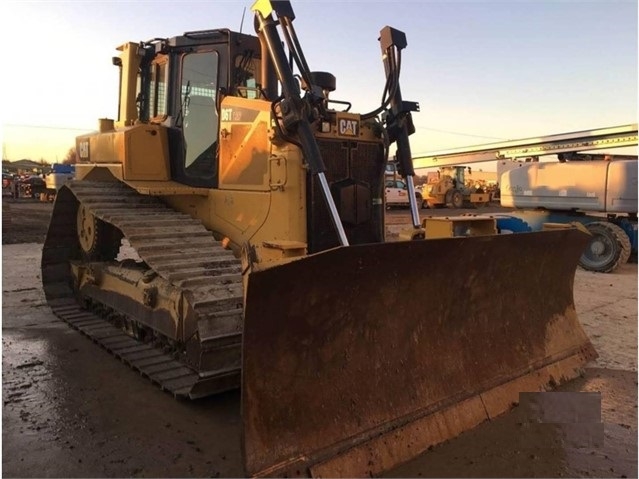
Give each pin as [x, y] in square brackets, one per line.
[227, 230]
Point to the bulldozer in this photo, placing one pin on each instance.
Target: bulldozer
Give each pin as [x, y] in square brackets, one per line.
[453, 191]
[227, 231]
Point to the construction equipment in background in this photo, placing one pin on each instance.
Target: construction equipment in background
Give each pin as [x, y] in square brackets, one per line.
[598, 190]
[30, 187]
[228, 229]
[454, 191]
[600, 194]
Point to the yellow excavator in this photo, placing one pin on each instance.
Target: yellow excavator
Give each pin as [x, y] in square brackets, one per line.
[227, 230]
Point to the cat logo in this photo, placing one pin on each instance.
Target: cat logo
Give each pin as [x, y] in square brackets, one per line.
[347, 127]
[83, 149]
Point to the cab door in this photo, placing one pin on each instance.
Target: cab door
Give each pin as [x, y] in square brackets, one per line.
[198, 89]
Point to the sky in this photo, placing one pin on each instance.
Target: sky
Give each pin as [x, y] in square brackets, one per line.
[482, 71]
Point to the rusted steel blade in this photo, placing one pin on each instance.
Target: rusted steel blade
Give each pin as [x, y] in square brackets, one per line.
[360, 358]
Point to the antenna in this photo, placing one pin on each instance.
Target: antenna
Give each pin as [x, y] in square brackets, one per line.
[242, 22]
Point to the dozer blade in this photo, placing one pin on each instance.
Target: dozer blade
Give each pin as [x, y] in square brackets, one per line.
[360, 358]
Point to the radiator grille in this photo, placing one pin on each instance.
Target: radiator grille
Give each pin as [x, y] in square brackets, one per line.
[355, 173]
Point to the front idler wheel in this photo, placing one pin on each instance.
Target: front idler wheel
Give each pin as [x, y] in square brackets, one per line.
[99, 241]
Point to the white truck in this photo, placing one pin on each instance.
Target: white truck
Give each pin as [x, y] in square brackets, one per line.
[397, 194]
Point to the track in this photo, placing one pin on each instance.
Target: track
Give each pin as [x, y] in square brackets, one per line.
[177, 248]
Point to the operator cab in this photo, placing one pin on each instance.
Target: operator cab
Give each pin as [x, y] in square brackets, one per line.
[180, 84]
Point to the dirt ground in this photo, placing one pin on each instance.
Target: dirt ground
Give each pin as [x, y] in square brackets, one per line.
[72, 410]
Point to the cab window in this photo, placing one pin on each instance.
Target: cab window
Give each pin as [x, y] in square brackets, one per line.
[247, 73]
[198, 105]
[157, 89]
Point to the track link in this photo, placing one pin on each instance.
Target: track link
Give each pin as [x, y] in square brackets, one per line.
[174, 246]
